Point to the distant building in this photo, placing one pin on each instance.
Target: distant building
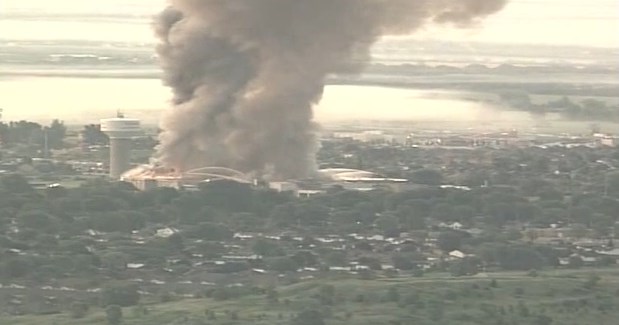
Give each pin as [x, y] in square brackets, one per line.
[284, 187]
[166, 232]
[372, 136]
[607, 141]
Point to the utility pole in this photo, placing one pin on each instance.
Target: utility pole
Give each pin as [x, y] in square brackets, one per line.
[606, 184]
[571, 206]
[611, 167]
[45, 142]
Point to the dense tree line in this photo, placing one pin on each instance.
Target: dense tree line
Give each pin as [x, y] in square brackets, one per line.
[587, 110]
[43, 236]
[33, 134]
[53, 223]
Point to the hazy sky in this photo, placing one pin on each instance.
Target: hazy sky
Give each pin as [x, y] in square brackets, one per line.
[572, 22]
[561, 22]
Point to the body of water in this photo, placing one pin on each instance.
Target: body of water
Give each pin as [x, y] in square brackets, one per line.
[82, 60]
[85, 100]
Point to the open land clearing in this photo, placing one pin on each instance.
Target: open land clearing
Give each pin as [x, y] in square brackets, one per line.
[567, 297]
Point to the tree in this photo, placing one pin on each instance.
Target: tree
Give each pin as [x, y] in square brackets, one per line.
[92, 135]
[15, 267]
[121, 295]
[305, 259]
[36, 220]
[283, 214]
[16, 184]
[393, 295]
[266, 247]
[79, 310]
[282, 264]
[543, 320]
[113, 221]
[522, 258]
[592, 281]
[191, 209]
[326, 294]
[136, 220]
[444, 212]
[365, 212]
[309, 317]
[226, 195]
[212, 232]
[372, 262]
[310, 214]
[523, 310]
[579, 231]
[115, 261]
[406, 262]
[612, 181]
[176, 242]
[389, 225]
[234, 315]
[427, 177]
[465, 266]
[414, 220]
[451, 240]
[245, 221]
[602, 225]
[232, 267]
[114, 314]
[532, 235]
[272, 296]
[436, 310]
[55, 134]
[22, 132]
[517, 98]
[335, 258]
[412, 298]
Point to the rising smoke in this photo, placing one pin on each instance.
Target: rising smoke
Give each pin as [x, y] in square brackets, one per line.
[246, 73]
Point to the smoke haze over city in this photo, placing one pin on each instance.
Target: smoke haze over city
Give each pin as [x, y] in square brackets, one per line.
[246, 74]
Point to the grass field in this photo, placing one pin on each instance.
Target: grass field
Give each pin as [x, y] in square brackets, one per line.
[561, 297]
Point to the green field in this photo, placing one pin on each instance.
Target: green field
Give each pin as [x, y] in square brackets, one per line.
[552, 297]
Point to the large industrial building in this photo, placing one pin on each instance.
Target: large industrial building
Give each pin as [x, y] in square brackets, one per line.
[350, 179]
[148, 177]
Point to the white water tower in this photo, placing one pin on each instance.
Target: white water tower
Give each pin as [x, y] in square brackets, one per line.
[121, 132]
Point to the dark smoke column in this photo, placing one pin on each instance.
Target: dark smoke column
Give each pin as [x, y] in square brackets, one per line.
[246, 73]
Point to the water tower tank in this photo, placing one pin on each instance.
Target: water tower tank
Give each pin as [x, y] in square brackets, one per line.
[121, 132]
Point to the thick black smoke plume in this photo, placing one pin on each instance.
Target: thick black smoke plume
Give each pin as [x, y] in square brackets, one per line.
[246, 73]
